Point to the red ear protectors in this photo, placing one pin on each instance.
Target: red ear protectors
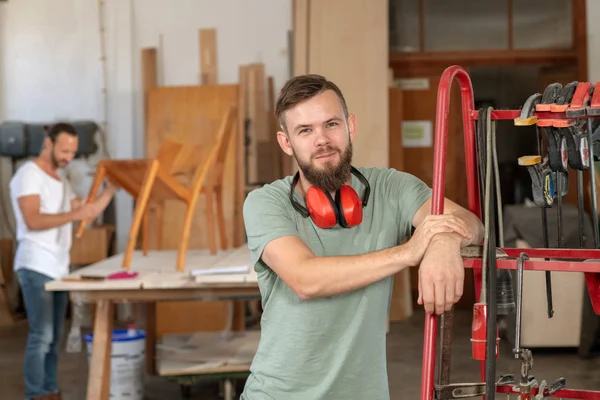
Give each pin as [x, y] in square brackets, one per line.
[325, 211]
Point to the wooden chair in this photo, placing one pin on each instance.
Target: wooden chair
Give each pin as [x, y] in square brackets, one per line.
[156, 180]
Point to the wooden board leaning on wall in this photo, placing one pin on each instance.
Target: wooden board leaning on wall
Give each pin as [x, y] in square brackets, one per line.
[192, 114]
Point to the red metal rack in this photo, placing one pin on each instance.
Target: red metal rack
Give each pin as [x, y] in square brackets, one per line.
[583, 105]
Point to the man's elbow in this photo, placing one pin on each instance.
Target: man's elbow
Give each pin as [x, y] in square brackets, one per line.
[304, 290]
[304, 287]
[31, 224]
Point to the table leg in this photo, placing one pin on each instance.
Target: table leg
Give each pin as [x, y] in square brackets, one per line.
[99, 374]
[151, 338]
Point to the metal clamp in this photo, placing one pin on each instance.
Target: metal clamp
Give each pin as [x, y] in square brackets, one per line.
[459, 391]
[542, 182]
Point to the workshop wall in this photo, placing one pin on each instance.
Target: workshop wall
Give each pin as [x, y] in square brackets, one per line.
[593, 40]
[50, 62]
[51, 66]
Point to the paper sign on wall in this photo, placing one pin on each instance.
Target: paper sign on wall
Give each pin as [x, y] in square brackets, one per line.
[417, 134]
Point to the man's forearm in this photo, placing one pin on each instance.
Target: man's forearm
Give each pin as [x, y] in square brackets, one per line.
[330, 276]
[42, 222]
[475, 227]
[449, 240]
[102, 201]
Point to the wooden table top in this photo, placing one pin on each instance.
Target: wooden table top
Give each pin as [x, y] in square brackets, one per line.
[156, 271]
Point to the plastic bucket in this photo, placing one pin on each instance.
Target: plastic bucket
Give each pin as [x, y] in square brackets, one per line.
[127, 363]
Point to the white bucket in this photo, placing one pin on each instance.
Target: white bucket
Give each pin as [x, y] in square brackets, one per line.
[127, 363]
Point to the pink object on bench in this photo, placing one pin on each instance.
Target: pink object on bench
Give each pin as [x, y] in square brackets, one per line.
[123, 275]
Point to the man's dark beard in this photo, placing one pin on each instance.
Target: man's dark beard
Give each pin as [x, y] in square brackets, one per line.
[55, 161]
[329, 179]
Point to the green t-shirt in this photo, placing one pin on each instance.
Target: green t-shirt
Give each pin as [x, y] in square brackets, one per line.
[330, 348]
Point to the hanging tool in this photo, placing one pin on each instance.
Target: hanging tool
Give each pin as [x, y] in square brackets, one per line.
[484, 328]
[505, 302]
[542, 186]
[555, 95]
[576, 138]
[527, 383]
[583, 104]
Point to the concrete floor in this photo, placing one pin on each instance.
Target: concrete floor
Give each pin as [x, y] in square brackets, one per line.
[404, 365]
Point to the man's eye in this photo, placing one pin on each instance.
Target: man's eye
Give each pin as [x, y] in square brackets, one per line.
[332, 124]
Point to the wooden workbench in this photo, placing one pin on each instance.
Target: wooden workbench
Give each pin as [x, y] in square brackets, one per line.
[157, 280]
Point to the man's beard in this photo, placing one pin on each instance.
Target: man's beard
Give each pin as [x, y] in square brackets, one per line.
[56, 162]
[330, 178]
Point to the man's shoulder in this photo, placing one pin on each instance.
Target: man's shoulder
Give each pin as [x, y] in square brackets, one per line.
[384, 175]
[28, 166]
[271, 198]
[25, 170]
[275, 190]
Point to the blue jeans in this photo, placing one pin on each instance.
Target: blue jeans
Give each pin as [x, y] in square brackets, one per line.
[46, 312]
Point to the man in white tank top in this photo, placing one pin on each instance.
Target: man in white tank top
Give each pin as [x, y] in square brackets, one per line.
[45, 208]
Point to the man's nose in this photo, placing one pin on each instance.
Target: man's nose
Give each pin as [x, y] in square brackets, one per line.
[322, 138]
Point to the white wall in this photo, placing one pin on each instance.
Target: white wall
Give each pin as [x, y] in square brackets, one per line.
[50, 61]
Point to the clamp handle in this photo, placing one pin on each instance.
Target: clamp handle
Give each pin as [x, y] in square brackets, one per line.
[563, 177]
[542, 184]
[527, 116]
[559, 384]
[577, 147]
[594, 108]
[557, 150]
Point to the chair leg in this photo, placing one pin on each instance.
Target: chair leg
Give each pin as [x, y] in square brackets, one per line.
[185, 236]
[221, 217]
[140, 208]
[158, 226]
[146, 230]
[210, 222]
[94, 189]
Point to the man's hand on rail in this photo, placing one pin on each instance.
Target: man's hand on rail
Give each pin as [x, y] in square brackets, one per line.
[441, 274]
[431, 226]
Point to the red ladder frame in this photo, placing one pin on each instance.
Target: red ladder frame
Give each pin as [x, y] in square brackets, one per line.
[591, 269]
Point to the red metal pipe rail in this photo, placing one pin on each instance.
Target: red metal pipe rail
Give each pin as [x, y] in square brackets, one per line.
[437, 207]
[570, 260]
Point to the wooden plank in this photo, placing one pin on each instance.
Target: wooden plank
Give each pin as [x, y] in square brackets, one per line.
[300, 57]
[401, 302]
[6, 317]
[404, 63]
[192, 115]
[240, 162]
[176, 316]
[252, 160]
[155, 270]
[206, 353]
[277, 153]
[92, 246]
[208, 56]
[363, 80]
[11, 287]
[149, 73]
[300, 30]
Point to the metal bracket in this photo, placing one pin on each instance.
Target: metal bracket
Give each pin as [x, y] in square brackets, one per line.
[459, 391]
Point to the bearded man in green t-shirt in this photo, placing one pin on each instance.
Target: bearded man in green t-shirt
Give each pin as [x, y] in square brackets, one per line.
[326, 244]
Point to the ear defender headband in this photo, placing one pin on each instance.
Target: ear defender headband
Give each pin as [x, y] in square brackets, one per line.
[325, 211]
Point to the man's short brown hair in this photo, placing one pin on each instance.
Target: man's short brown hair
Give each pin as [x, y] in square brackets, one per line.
[302, 88]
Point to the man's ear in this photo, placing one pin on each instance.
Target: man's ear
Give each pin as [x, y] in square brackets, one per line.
[352, 126]
[284, 143]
